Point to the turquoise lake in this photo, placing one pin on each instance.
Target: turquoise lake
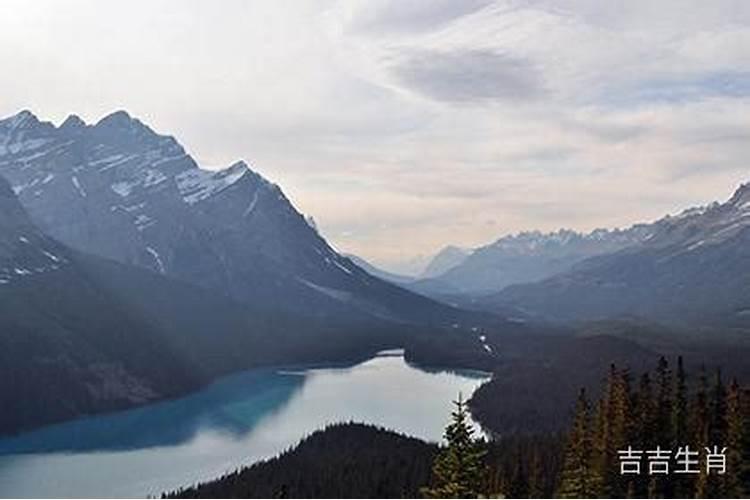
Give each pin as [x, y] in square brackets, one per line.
[236, 421]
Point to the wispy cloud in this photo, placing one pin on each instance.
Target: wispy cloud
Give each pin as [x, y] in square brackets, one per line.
[399, 17]
[469, 76]
[680, 89]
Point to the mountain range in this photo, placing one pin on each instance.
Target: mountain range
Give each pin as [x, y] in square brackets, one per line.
[529, 256]
[694, 267]
[685, 268]
[455, 272]
[81, 334]
[119, 190]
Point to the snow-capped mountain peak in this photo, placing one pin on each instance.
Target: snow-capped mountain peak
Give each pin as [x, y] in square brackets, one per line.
[703, 226]
[119, 172]
[563, 240]
[197, 184]
[120, 190]
[118, 119]
[23, 119]
[22, 132]
[741, 197]
[533, 255]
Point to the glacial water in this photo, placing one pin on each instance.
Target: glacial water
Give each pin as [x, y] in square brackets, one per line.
[236, 421]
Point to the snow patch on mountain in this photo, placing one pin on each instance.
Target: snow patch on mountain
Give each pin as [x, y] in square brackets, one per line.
[78, 187]
[157, 259]
[143, 221]
[342, 267]
[340, 295]
[251, 206]
[197, 184]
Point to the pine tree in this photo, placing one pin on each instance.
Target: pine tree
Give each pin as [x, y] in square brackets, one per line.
[680, 407]
[715, 485]
[577, 476]
[663, 404]
[518, 487]
[536, 476]
[661, 486]
[744, 473]
[599, 461]
[734, 442]
[619, 423]
[718, 415]
[645, 438]
[458, 470]
[646, 414]
[699, 428]
[681, 484]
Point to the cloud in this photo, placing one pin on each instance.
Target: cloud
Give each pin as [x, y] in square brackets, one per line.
[679, 89]
[397, 16]
[469, 76]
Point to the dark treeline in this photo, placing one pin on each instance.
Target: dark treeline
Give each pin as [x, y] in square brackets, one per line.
[668, 409]
[536, 382]
[518, 466]
[525, 466]
[664, 409]
[341, 461]
[362, 461]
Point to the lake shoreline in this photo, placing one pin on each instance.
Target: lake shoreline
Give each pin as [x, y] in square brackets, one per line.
[234, 422]
[291, 367]
[344, 362]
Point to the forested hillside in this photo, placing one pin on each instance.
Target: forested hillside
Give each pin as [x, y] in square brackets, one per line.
[344, 460]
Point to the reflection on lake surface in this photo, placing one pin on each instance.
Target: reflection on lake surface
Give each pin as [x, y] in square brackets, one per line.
[239, 420]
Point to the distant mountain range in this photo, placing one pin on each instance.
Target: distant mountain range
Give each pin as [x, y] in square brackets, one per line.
[688, 267]
[521, 258]
[692, 268]
[445, 260]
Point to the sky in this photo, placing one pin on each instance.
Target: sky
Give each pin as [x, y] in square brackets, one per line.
[403, 126]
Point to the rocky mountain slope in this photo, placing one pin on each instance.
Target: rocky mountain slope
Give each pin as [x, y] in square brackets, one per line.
[119, 190]
[80, 334]
[67, 346]
[691, 267]
[526, 257]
